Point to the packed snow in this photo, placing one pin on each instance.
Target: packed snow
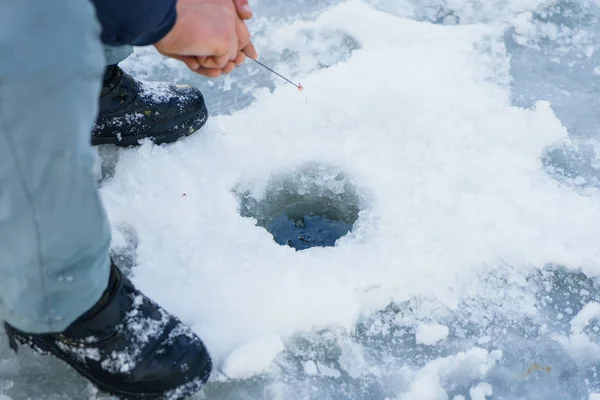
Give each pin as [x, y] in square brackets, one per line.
[467, 133]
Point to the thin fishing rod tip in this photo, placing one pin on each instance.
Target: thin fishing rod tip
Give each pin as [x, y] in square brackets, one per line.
[298, 86]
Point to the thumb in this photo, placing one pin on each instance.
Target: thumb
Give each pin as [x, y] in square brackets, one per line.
[243, 9]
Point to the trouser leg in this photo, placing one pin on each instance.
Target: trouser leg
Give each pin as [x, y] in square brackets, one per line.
[115, 55]
[54, 234]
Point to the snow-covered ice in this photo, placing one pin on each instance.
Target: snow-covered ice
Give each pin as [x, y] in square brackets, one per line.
[468, 132]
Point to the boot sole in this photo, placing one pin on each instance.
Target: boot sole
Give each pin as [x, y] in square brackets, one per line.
[179, 393]
[188, 127]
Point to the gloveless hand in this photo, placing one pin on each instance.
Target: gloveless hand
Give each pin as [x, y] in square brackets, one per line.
[209, 36]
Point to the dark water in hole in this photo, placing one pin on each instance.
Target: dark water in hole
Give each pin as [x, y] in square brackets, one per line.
[307, 231]
[313, 206]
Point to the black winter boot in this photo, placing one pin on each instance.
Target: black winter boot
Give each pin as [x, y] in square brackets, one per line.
[132, 110]
[128, 346]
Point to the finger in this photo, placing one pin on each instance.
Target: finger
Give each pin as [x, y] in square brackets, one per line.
[250, 51]
[224, 54]
[202, 61]
[243, 9]
[208, 72]
[190, 61]
[243, 35]
[228, 68]
[215, 62]
[234, 47]
[240, 59]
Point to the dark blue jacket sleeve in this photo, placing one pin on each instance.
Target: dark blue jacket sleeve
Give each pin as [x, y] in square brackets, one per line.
[136, 22]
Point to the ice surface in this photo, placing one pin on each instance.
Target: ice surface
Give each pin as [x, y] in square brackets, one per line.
[469, 131]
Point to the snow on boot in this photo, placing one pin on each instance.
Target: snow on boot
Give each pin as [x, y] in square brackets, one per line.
[128, 346]
[132, 110]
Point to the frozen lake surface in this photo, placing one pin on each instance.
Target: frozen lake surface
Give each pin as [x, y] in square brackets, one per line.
[458, 139]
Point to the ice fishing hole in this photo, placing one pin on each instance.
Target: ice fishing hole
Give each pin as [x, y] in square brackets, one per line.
[313, 206]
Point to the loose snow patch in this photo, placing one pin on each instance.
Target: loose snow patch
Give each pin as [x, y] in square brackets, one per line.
[588, 313]
[310, 368]
[253, 358]
[328, 371]
[480, 391]
[430, 334]
[431, 381]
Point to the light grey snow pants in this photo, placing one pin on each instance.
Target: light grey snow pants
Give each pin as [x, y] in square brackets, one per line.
[54, 234]
[115, 55]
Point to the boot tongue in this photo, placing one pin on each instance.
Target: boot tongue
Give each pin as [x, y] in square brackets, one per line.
[103, 319]
[112, 288]
[112, 76]
[109, 73]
